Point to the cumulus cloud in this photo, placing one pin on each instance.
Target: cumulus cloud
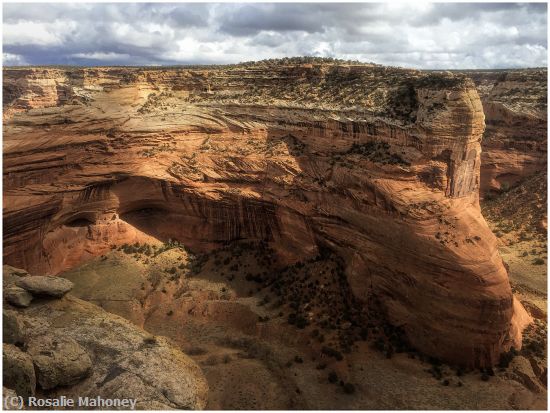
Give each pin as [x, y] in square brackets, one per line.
[420, 35]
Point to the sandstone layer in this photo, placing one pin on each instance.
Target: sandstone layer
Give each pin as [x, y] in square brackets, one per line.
[380, 165]
[515, 139]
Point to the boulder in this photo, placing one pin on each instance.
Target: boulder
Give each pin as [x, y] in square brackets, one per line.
[45, 285]
[17, 296]
[18, 371]
[59, 361]
[12, 328]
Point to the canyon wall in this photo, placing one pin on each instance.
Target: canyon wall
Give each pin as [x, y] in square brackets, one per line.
[515, 140]
[381, 165]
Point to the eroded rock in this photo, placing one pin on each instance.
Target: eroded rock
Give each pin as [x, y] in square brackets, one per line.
[59, 361]
[515, 142]
[65, 337]
[45, 285]
[385, 172]
[12, 328]
[17, 296]
[520, 369]
[18, 371]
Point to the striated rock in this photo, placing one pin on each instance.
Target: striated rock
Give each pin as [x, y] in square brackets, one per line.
[18, 371]
[515, 140]
[381, 165]
[59, 361]
[12, 328]
[46, 285]
[17, 296]
[91, 353]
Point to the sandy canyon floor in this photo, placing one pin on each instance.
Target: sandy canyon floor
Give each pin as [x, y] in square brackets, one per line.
[233, 312]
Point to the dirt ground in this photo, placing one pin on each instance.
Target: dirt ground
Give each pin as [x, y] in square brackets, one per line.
[259, 349]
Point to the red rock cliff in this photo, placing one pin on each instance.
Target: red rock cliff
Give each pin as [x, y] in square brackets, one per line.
[379, 164]
[515, 141]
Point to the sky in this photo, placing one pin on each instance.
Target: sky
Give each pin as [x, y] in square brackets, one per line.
[417, 35]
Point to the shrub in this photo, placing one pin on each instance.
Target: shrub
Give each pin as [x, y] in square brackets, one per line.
[349, 388]
[329, 351]
[301, 322]
[332, 377]
[506, 358]
[538, 261]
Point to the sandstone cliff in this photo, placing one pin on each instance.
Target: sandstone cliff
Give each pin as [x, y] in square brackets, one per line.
[380, 165]
[515, 140]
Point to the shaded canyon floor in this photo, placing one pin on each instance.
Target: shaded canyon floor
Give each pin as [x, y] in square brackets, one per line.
[273, 337]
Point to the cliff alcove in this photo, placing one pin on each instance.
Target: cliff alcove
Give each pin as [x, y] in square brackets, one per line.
[379, 165]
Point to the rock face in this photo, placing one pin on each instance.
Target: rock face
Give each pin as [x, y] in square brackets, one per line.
[79, 350]
[12, 328]
[515, 140]
[18, 296]
[380, 165]
[18, 371]
[59, 361]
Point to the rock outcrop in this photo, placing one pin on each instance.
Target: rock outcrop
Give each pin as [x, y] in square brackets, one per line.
[515, 140]
[59, 361]
[72, 348]
[380, 165]
[47, 286]
[18, 371]
[18, 296]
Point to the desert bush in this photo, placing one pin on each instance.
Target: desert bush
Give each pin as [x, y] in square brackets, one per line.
[349, 388]
[329, 351]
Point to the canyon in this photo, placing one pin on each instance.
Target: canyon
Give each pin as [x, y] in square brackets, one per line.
[515, 139]
[175, 194]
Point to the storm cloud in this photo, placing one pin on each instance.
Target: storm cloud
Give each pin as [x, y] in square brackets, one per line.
[424, 35]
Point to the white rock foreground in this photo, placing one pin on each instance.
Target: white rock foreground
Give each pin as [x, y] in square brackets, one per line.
[89, 352]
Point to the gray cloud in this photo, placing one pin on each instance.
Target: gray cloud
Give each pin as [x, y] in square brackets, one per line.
[442, 35]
